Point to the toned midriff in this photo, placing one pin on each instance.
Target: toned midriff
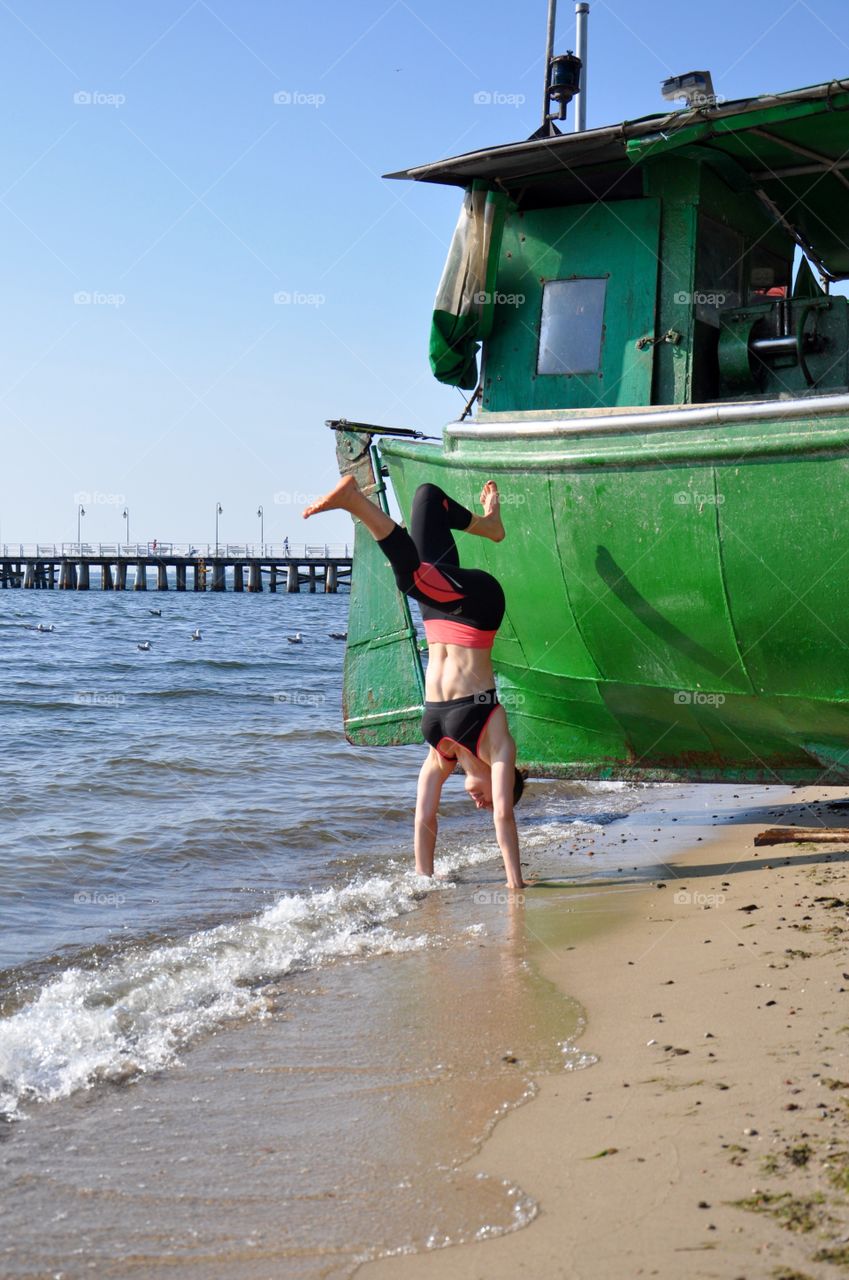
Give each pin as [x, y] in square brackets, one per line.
[455, 671]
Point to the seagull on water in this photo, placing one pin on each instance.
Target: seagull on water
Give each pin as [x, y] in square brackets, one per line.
[296, 638]
[338, 635]
[144, 646]
[45, 626]
[155, 613]
[196, 635]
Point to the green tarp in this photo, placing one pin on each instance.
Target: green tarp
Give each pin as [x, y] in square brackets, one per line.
[462, 312]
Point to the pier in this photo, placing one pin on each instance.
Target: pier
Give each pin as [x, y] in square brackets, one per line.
[85, 566]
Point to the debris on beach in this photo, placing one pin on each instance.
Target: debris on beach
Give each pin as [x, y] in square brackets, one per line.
[803, 835]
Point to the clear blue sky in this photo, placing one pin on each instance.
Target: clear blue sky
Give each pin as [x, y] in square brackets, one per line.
[181, 197]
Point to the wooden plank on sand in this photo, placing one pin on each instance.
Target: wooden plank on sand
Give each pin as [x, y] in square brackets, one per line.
[803, 835]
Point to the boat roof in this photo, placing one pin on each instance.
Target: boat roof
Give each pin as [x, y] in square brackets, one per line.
[792, 149]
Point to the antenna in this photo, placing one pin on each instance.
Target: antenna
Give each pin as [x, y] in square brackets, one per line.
[582, 15]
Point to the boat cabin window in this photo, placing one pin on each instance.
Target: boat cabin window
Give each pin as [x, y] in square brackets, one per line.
[769, 275]
[572, 325]
[719, 270]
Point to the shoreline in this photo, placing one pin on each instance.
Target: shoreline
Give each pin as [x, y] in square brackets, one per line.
[716, 1008]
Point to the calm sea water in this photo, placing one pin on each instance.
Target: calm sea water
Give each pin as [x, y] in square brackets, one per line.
[199, 876]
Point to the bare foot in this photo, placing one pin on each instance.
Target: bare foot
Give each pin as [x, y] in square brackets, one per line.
[492, 511]
[339, 498]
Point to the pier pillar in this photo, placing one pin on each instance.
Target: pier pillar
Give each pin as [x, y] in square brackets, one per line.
[161, 577]
[19, 575]
[293, 579]
[181, 577]
[51, 576]
[272, 578]
[41, 575]
[255, 578]
[66, 576]
[83, 577]
[29, 575]
[199, 570]
[219, 576]
[330, 583]
[140, 583]
[238, 578]
[312, 579]
[105, 576]
[121, 575]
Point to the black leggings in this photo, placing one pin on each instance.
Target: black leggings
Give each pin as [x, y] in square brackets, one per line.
[427, 566]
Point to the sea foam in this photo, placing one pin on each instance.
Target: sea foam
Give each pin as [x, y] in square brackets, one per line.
[133, 1013]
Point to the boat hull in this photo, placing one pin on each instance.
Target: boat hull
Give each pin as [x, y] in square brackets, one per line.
[677, 588]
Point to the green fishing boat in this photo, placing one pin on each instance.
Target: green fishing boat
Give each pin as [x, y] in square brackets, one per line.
[659, 383]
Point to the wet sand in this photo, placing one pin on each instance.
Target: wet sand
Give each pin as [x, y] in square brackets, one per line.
[333, 1130]
[336, 1128]
[710, 1138]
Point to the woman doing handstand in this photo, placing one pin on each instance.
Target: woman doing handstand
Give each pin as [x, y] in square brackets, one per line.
[462, 609]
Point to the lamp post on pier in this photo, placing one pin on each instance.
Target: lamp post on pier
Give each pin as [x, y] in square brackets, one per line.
[126, 516]
[80, 514]
[261, 515]
[219, 511]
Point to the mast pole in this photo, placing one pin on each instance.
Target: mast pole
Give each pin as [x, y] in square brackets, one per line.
[581, 20]
[549, 54]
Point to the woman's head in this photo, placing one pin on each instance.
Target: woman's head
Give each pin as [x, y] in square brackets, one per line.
[478, 783]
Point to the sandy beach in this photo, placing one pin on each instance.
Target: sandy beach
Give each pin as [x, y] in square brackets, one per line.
[391, 1104]
[709, 1140]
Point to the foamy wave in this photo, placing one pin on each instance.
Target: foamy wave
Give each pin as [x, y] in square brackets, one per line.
[552, 834]
[135, 1013]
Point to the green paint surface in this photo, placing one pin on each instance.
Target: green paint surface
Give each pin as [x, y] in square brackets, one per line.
[618, 242]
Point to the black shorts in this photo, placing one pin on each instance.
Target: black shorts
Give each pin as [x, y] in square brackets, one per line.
[460, 720]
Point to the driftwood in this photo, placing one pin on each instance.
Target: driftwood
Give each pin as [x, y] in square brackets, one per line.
[803, 835]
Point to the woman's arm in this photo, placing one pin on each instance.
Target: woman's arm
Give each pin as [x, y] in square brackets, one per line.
[432, 775]
[502, 754]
